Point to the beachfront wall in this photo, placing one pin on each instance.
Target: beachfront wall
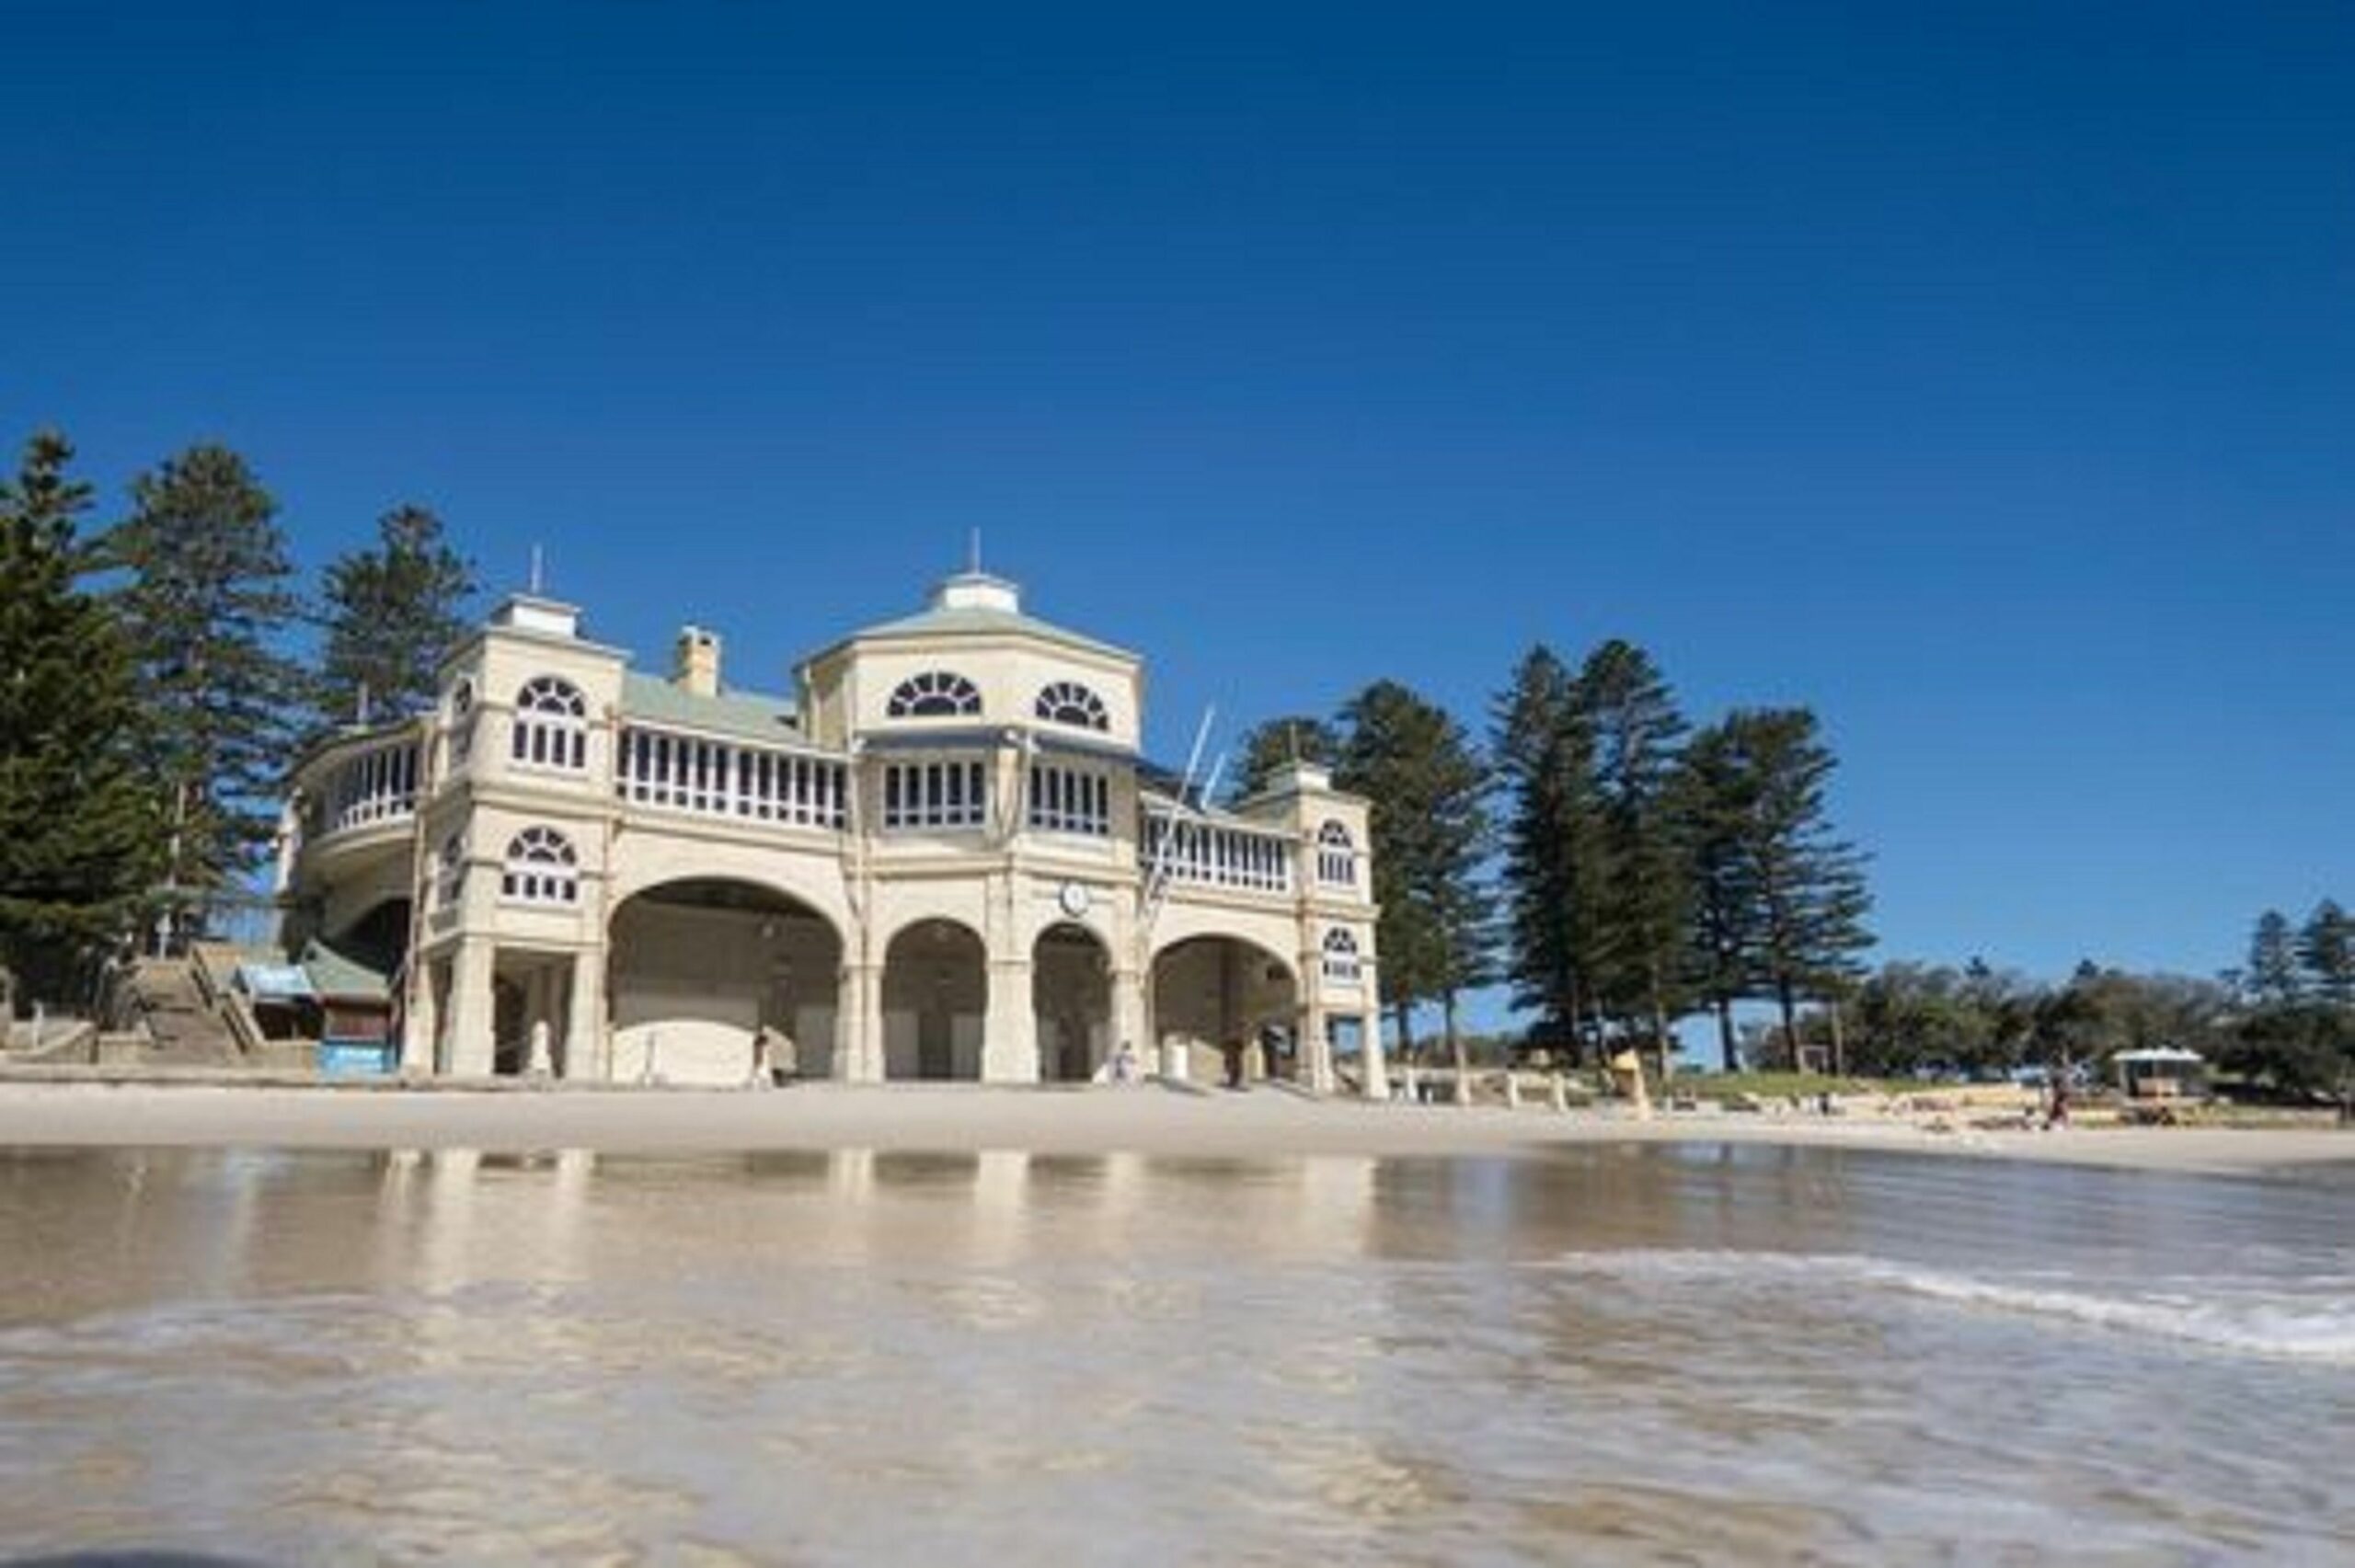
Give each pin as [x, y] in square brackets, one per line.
[937, 859]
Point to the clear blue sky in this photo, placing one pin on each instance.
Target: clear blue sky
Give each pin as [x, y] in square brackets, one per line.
[1983, 377]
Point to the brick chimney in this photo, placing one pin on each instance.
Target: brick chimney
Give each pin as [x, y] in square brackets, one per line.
[696, 669]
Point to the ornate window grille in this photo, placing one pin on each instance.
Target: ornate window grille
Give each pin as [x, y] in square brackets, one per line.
[1342, 964]
[462, 723]
[1336, 856]
[1068, 702]
[450, 871]
[541, 868]
[935, 693]
[551, 724]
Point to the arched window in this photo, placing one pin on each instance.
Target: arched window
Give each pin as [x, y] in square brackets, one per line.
[1336, 856]
[552, 725]
[1068, 702]
[450, 871]
[462, 722]
[935, 693]
[1342, 966]
[541, 869]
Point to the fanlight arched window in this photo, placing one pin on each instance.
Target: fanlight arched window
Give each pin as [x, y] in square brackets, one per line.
[462, 722]
[935, 693]
[1068, 702]
[541, 869]
[1337, 855]
[450, 871]
[552, 724]
[1342, 964]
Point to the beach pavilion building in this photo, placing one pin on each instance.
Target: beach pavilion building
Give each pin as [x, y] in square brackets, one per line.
[941, 856]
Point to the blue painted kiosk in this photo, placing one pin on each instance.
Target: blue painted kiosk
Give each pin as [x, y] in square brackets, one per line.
[355, 1004]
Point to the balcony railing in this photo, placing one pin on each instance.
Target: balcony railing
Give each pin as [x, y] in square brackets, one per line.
[373, 786]
[1217, 854]
[674, 772]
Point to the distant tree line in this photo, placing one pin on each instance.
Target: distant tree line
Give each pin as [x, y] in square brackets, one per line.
[155, 691]
[2285, 1020]
[1618, 869]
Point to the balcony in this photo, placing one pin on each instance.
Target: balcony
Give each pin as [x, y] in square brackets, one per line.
[692, 775]
[1191, 852]
[376, 788]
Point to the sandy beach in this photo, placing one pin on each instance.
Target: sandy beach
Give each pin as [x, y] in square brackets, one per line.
[1146, 1120]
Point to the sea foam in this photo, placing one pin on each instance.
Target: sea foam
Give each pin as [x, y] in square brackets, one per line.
[2311, 1318]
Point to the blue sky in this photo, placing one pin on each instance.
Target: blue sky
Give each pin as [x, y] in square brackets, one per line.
[1984, 377]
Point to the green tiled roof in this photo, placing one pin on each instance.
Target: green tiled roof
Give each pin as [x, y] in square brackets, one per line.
[972, 621]
[748, 716]
[334, 974]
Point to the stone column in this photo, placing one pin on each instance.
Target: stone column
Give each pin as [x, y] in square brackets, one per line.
[859, 1023]
[473, 1017]
[422, 1021]
[587, 1052]
[1129, 1027]
[1009, 1027]
[1377, 1069]
[1315, 1047]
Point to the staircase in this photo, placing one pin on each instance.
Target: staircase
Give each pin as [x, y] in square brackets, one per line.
[187, 1029]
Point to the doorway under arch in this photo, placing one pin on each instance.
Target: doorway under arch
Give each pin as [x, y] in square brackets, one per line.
[1228, 1009]
[935, 999]
[698, 966]
[378, 939]
[1071, 996]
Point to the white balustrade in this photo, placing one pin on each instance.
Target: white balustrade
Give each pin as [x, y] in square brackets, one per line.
[1217, 854]
[378, 785]
[728, 779]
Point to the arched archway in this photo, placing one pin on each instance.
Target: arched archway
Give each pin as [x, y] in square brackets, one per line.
[935, 998]
[1071, 996]
[1226, 1008]
[697, 966]
[378, 939]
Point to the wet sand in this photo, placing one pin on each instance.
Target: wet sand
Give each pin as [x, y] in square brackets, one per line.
[1609, 1353]
[1148, 1120]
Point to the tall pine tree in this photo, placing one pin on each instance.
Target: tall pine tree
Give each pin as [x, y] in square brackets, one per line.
[1713, 802]
[1431, 829]
[1810, 884]
[2273, 959]
[2326, 953]
[390, 613]
[77, 831]
[1553, 850]
[1636, 731]
[207, 607]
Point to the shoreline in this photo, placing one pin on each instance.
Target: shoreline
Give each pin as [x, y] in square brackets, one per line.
[1262, 1123]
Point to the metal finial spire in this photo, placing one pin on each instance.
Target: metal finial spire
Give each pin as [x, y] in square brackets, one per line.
[539, 571]
[974, 554]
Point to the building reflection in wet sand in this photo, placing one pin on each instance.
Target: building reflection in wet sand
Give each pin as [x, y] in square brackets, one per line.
[876, 1355]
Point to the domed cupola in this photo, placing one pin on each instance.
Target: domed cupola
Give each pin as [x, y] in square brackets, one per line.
[978, 590]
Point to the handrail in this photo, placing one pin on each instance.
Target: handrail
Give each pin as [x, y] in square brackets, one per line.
[222, 997]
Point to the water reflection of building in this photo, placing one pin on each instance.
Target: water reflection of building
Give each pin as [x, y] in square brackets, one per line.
[942, 857]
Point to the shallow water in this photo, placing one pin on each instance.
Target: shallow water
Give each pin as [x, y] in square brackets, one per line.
[1663, 1354]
